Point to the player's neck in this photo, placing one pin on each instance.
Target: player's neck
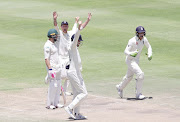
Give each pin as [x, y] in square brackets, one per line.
[51, 39]
[140, 39]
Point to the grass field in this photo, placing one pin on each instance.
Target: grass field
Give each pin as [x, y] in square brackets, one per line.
[24, 25]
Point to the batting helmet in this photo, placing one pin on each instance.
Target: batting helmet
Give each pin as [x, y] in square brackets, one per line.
[140, 29]
[52, 33]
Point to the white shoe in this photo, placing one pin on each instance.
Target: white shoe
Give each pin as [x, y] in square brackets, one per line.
[70, 112]
[68, 93]
[120, 92]
[51, 107]
[59, 106]
[80, 117]
[140, 97]
[47, 79]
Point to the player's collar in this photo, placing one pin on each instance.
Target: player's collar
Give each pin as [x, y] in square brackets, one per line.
[50, 42]
[137, 39]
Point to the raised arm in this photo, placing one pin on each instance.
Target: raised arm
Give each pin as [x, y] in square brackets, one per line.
[76, 38]
[87, 21]
[74, 29]
[55, 15]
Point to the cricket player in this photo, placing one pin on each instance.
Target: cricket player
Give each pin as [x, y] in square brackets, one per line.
[75, 78]
[53, 69]
[133, 52]
[64, 40]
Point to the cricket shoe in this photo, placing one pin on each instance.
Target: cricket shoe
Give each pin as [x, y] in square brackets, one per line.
[120, 92]
[80, 117]
[68, 93]
[59, 106]
[51, 107]
[70, 112]
[140, 97]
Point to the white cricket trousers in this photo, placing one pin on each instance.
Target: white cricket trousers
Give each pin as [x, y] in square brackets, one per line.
[79, 90]
[54, 91]
[133, 68]
[64, 62]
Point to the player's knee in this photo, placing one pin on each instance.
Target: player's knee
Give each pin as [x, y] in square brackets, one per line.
[127, 78]
[83, 96]
[140, 76]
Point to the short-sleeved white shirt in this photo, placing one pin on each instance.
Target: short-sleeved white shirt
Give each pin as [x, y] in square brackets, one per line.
[51, 53]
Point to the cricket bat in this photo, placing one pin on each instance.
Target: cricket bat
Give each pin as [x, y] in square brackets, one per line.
[63, 95]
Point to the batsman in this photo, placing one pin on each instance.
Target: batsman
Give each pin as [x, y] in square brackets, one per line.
[133, 51]
[53, 69]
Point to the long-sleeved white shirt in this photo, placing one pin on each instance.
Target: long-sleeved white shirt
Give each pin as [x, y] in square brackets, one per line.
[135, 44]
[74, 54]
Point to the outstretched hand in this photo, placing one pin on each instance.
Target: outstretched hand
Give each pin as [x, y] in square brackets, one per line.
[55, 15]
[89, 16]
[76, 19]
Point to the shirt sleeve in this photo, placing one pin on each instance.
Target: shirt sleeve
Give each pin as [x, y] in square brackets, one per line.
[81, 28]
[74, 29]
[147, 44]
[128, 48]
[46, 51]
[76, 38]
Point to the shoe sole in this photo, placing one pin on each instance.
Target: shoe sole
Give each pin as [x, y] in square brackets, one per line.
[50, 108]
[80, 118]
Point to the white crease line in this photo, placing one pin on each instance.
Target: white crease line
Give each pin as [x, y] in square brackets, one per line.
[108, 97]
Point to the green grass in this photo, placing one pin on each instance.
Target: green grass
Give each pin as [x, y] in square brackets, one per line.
[24, 25]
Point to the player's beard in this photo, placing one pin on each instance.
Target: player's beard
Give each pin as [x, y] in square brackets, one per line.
[55, 39]
[65, 30]
[141, 36]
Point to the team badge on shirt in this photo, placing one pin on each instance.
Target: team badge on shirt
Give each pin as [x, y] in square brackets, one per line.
[136, 43]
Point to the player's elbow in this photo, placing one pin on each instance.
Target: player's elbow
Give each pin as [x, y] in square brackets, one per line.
[125, 52]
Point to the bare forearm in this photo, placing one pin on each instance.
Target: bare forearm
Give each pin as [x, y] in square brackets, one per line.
[55, 22]
[48, 63]
[85, 23]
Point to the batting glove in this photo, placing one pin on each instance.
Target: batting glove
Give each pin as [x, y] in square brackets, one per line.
[150, 57]
[51, 73]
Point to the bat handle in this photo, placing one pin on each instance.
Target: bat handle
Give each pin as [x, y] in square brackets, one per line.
[62, 88]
